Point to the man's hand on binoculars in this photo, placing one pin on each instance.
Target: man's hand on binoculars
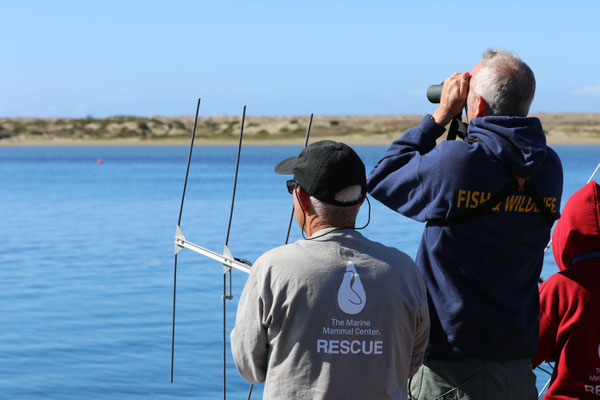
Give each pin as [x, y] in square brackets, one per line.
[453, 99]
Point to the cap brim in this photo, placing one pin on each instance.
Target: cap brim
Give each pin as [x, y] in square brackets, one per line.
[286, 166]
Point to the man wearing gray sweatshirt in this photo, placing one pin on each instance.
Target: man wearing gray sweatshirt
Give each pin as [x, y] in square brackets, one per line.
[336, 315]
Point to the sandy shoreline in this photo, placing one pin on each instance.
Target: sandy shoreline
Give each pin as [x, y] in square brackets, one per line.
[553, 138]
[565, 128]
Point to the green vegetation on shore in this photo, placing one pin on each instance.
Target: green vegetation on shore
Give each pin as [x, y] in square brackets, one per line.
[226, 128]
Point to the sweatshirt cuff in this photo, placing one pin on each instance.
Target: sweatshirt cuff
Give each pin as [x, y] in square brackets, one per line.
[430, 127]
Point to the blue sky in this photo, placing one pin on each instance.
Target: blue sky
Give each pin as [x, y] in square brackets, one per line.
[79, 58]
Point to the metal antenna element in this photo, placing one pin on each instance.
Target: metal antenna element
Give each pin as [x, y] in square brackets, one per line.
[594, 174]
[227, 269]
[287, 237]
[237, 166]
[588, 181]
[544, 388]
[549, 379]
[187, 171]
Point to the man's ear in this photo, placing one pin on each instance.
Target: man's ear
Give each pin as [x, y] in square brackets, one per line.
[479, 107]
[303, 198]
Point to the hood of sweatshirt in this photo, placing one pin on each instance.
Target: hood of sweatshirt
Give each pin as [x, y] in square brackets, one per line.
[577, 233]
[519, 143]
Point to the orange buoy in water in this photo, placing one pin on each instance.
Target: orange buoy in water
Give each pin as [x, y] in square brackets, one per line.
[99, 161]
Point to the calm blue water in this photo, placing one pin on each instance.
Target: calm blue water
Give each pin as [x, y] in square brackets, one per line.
[86, 263]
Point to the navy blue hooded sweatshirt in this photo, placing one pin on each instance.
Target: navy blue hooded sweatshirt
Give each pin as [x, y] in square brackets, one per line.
[481, 273]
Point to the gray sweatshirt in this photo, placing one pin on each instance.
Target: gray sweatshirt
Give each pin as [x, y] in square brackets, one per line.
[339, 316]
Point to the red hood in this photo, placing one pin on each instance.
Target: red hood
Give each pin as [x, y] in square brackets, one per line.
[577, 232]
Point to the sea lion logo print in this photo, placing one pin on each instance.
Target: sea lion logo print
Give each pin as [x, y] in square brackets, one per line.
[351, 294]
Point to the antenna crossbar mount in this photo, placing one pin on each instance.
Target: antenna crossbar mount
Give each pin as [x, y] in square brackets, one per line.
[181, 243]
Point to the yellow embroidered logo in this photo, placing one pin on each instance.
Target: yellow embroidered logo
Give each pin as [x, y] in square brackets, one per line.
[522, 203]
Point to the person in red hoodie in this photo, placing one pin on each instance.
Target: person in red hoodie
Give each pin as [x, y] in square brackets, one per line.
[570, 301]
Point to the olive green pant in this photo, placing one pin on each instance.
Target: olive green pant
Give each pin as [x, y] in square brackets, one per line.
[473, 379]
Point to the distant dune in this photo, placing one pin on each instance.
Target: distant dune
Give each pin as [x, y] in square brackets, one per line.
[574, 128]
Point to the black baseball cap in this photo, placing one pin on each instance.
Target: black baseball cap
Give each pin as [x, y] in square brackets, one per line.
[324, 168]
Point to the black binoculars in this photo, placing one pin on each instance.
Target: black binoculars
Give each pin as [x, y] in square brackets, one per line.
[434, 93]
[457, 126]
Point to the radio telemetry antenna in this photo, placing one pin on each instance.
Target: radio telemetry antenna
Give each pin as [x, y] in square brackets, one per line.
[226, 259]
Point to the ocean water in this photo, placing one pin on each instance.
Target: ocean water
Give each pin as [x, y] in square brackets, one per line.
[86, 263]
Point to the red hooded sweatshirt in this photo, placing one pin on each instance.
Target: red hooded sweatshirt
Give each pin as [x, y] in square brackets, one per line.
[570, 301]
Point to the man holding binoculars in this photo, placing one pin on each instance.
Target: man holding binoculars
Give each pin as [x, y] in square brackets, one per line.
[489, 202]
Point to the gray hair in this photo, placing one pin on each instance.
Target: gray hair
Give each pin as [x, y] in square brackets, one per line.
[505, 82]
[337, 215]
